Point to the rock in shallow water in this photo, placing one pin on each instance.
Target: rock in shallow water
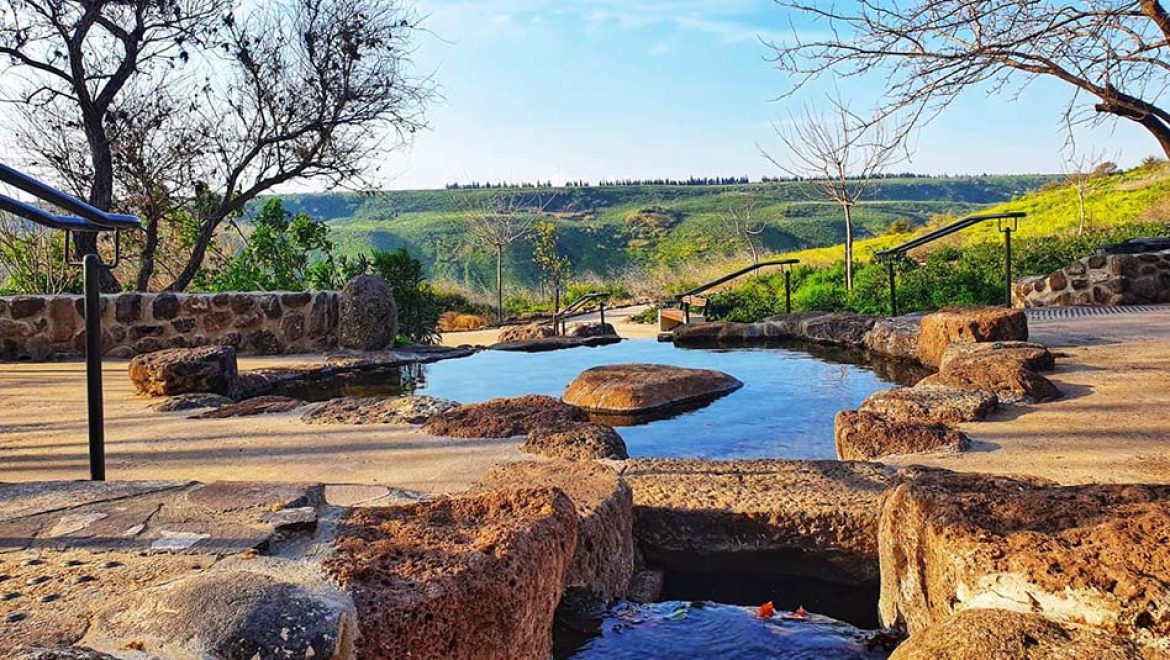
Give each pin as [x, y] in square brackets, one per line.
[377, 410]
[645, 388]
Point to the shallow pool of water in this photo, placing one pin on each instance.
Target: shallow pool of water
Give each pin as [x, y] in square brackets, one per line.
[699, 630]
[784, 410]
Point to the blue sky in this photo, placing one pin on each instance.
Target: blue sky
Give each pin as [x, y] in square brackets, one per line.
[566, 89]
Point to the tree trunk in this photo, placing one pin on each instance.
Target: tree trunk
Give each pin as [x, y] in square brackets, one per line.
[848, 208]
[499, 284]
[195, 261]
[101, 193]
[149, 248]
[1081, 207]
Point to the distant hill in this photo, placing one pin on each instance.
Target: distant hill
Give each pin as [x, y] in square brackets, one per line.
[608, 228]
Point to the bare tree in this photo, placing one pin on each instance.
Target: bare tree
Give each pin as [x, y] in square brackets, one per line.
[839, 153]
[930, 51]
[739, 220]
[1082, 173]
[73, 58]
[501, 220]
[296, 90]
[31, 259]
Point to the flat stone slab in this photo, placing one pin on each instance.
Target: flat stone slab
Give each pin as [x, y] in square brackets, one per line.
[798, 518]
[377, 410]
[70, 549]
[624, 389]
[930, 404]
[864, 436]
[266, 404]
[544, 344]
[504, 417]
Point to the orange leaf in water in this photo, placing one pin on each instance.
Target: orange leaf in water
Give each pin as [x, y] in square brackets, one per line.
[799, 614]
[766, 611]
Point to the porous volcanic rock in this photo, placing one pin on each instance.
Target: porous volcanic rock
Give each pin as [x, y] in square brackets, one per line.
[367, 315]
[232, 614]
[62, 653]
[377, 410]
[864, 436]
[470, 577]
[1080, 555]
[554, 343]
[1034, 356]
[504, 418]
[799, 518]
[603, 561]
[968, 325]
[191, 401]
[993, 634]
[181, 370]
[997, 372]
[930, 404]
[896, 337]
[261, 405]
[527, 332]
[579, 441]
[590, 330]
[644, 388]
[838, 328]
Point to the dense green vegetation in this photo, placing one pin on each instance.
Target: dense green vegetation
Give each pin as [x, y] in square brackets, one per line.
[607, 230]
[968, 268]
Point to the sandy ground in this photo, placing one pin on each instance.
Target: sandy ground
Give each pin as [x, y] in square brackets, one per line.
[619, 318]
[1113, 425]
[43, 436]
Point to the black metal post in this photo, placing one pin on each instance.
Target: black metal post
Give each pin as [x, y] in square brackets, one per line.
[686, 312]
[556, 311]
[93, 367]
[603, 316]
[1007, 264]
[787, 291]
[893, 287]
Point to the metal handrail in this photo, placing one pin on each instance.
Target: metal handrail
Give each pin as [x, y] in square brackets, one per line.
[88, 219]
[891, 256]
[560, 317]
[786, 263]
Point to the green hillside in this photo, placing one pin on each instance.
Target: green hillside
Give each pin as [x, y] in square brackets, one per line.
[607, 229]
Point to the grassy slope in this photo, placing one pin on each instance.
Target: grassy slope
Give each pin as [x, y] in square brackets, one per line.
[1116, 200]
[608, 229]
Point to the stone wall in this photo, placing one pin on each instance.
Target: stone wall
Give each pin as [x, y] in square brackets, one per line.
[1115, 279]
[39, 327]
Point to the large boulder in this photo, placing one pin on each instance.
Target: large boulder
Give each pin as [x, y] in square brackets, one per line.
[993, 634]
[579, 441]
[230, 614]
[968, 325]
[998, 372]
[862, 436]
[471, 577]
[1079, 555]
[839, 329]
[181, 370]
[717, 334]
[930, 404]
[1034, 356]
[896, 337]
[646, 388]
[530, 331]
[603, 561]
[377, 410]
[367, 315]
[590, 330]
[812, 519]
[504, 418]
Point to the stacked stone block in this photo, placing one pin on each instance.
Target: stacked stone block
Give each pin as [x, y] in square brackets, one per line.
[1115, 279]
[39, 327]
